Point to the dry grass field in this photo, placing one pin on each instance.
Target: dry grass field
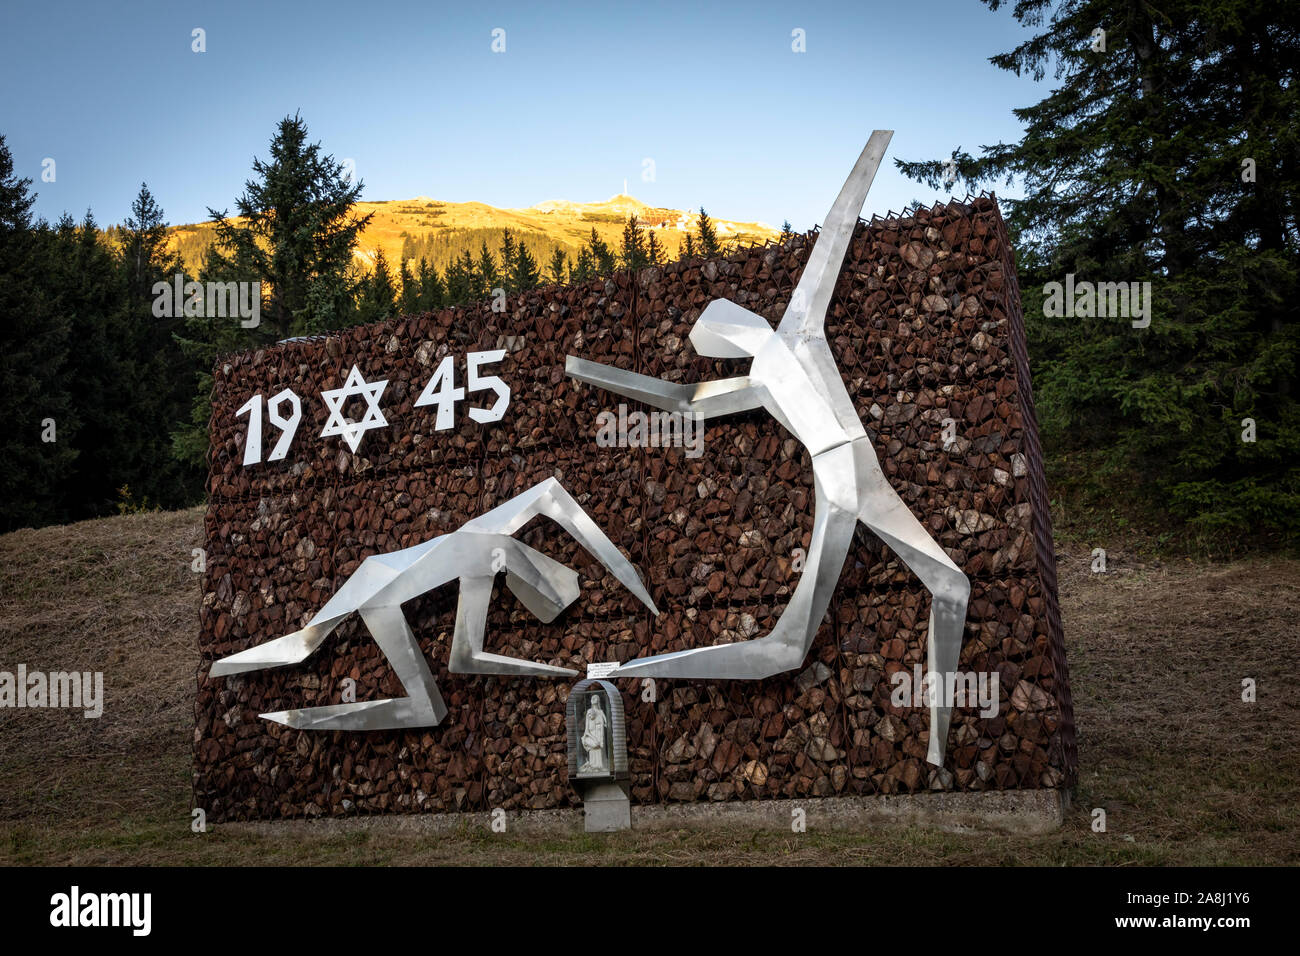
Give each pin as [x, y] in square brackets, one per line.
[1187, 772]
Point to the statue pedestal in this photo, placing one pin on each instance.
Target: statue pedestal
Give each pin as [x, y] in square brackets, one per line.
[607, 807]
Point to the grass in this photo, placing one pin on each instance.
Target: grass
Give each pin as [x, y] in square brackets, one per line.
[1095, 501]
[1185, 771]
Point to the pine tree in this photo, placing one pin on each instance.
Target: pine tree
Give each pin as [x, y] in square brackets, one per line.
[296, 236]
[654, 252]
[460, 282]
[477, 290]
[509, 256]
[787, 233]
[603, 259]
[584, 268]
[378, 298]
[633, 253]
[433, 294]
[1165, 153]
[559, 266]
[34, 345]
[708, 235]
[525, 274]
[688, 247]
[409, 300]
[487, 275]
[160, 404]
[105, 370]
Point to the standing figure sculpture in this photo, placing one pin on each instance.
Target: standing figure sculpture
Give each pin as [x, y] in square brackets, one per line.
[593, 737]
[475, 553]
[793, 376]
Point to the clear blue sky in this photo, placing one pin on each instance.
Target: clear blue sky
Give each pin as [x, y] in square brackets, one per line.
[584, 92]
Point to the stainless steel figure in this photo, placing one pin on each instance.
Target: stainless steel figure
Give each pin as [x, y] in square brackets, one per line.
[474, 554]
[794, 377]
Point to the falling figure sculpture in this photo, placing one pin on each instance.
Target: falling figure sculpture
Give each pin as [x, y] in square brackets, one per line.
[474, 553]
[793, 376]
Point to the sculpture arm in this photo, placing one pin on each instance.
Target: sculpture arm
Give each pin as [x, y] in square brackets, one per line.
[724, 396]
[806, 315]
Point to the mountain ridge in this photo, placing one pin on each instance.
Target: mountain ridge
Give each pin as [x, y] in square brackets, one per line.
[408, 229]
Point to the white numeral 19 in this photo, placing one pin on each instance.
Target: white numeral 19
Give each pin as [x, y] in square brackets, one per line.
[287, 425]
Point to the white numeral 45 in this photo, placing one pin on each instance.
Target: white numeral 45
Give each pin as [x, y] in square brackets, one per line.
[442, 391]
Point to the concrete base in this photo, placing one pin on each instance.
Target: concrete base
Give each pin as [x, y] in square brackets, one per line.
[1004, 811]
[606, 808]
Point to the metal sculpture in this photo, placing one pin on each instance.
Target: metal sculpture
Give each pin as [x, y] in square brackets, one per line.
[475, 554]
[793, 376]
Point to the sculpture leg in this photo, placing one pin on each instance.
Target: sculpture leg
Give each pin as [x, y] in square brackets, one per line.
[423, 707]
[886, 515]
[786, 646]
[549, 498]
[543, 585]
[290, 649]
[467, 654]
[394, 636]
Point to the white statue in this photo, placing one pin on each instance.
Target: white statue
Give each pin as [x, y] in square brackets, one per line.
[593, 738]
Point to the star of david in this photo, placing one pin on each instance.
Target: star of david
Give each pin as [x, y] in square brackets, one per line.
[336, 398]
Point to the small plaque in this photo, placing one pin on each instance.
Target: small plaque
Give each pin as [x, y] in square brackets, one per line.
[599, 669]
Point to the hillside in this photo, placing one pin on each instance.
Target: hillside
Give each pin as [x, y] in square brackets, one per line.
[411, 228]
[1187, 773]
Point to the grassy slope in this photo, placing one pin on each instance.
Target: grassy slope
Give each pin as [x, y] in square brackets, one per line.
[566, 224]
[1186, 772]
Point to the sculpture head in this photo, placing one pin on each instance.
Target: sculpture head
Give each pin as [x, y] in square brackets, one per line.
[727, 330]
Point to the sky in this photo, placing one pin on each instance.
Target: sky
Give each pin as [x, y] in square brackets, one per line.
[583, 95]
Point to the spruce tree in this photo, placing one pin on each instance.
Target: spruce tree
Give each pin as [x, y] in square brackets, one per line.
[433, 293]
[787, 233]
[161, 404]
[488, 277]
[460, 281]
[559, 266]
[525, 274]
[708, 235]
[1164, 153]
[408, 302]
[143, 247]
[633, 252]
[605, 263]
[105, 370]
[34, 345]
[296, 235]
[509, 254]
[476, 291]
[584, 268]
[378, 299]
[654, 252]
